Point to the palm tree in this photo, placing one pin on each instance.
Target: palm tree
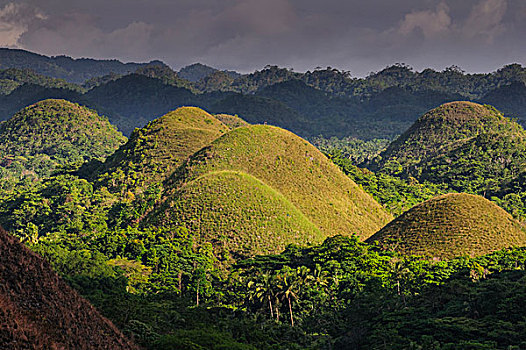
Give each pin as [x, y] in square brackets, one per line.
[289, 289]
[263, 290]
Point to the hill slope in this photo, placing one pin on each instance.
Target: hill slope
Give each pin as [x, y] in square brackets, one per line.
[291, 167]
[51, 133]
[38, 310]
[64, 67]
[240, 214]
[452, 225]
[465, 145]
[153, 152]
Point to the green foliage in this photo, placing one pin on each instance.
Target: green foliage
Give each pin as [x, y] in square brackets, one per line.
[357, 151]
[64, 67]
[12, 78]
[156, 150]
[166, 75]
[395, 194]
[46, 136]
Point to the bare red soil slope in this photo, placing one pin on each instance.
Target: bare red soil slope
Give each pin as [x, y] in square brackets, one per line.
[38, 310]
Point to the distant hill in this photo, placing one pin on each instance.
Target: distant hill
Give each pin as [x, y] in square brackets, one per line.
[199, 71]
[38, 310]
[320, 103]
[64, 67]
[246, 175]
[166, 75]
[510, 99]
[262, 110]
[134, 100]
[451, 225]
[12, 78]
[232, 121]
[52, 133]
[28, 94]
[153, 152]
[467, 146]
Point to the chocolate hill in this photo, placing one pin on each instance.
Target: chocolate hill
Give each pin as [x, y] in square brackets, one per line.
[452, 225]
[38, 310]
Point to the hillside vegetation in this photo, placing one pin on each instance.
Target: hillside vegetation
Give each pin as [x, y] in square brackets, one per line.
[153, 152]
[64, 67]
[291, 167]
[467, 146]
[451, 225]
[52, 133]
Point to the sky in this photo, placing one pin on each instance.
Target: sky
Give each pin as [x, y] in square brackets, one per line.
[244, 35]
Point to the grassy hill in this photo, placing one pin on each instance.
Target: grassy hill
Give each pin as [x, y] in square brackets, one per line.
[41, 311]
[452, 225]
[465, 145]
[274, 166]
[240, 214]
[51, 133]
[153, 152]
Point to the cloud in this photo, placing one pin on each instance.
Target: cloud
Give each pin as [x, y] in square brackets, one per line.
[485, 20]
[356, 35]
[431, 23]
[14, 21]
[79, 35]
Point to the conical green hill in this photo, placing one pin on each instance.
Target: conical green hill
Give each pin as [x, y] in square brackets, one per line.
[290, 166]
[440, 130]
[452, 225]
[153, 152]
[51, 133]
[239, 214]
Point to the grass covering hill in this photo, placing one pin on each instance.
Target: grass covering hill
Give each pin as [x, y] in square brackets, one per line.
[241, 214]
[153, 152]
[52, 133]
[467, 146]
[451, 225]
[288, 165]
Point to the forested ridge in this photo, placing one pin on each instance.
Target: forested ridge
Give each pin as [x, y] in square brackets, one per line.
[323, 102]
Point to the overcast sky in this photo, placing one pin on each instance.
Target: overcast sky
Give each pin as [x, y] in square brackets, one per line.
[244, 35]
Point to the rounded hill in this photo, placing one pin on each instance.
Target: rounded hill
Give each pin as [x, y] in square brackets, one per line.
[451, 225]
[469, 147]
[38, 310]
[295, 174]
[239, 213]
[51, 133]
[439, 130]
[153, 152]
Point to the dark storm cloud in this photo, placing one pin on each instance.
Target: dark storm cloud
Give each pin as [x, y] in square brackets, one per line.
[360, 36]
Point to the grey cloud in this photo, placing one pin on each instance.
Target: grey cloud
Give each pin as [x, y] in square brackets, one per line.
[355, 35]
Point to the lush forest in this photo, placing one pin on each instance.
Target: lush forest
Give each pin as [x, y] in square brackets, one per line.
[323, 102]
[204, 231]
